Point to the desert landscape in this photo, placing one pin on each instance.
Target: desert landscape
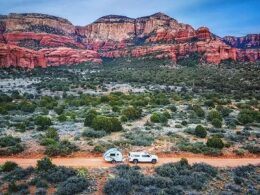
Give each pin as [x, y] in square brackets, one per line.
[69, 93]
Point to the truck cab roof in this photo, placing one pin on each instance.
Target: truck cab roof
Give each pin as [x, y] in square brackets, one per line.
[138, 153]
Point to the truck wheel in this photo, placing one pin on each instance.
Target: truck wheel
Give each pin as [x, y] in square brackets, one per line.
[154, 161]
[135, 161]
[113, 162]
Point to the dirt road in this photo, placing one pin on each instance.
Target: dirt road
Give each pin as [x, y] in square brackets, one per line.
[96, 162]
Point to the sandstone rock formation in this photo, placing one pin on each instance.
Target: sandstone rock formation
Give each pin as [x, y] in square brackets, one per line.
[68, 56]
[249, 41]
[11, 55]
[31, 40]
[40, 39]
[248, 47]
[213, 51]
[38, 23]
[248, 55]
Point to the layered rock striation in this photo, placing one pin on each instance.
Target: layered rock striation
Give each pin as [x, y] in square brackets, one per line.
[32, 40]
[11, 55]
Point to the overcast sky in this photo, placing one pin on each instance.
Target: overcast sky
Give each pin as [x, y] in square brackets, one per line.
[223, 17]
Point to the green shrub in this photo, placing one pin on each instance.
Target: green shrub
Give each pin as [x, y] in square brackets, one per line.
[3, 111]
[12, 150]
[44, 164]
[102, 123]
[209, 103]
[215, 142]
[231, 123]
[62, 118]
[199, 111]
[93, 133]
[167, 115]
[201, 167]
[59, 110]
[99, 149]
[254, 149]
[13, 188]
[57, 174]
[155, 118]
[192, 60]
[52, 133]
[18, 174]
[184, 123]
[158, 118]
[224, 111]
[43, 122]
[10, 145]
[27, 107]
[214, 115]
[200, 131]
[190, 131]
[104, 99]
[62, 148]
[108, 124]
[8, 166]
[199, 148]
[118, 186]
[248, 116]
[115, 109]
[48, 141]
[9, 141]
[216, 123]
[140, 139]
[21, 127]
[187, 176]
[73, 185]
[123, 118]
[173, 108]
[239, 152]
[116, 125]
[89, 118]
[48, 102]
[51, 137]
[38, 182]
[132, 113]
[184, 162]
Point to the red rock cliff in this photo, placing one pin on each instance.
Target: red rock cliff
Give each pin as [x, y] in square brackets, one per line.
[249, 41]
[29, 40]
[11, 55]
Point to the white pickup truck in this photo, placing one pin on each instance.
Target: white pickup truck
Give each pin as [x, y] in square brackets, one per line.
[137, 157]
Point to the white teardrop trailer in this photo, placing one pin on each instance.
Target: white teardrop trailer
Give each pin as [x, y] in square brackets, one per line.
[113, 155]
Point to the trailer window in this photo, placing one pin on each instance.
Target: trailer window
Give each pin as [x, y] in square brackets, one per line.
[112, 154]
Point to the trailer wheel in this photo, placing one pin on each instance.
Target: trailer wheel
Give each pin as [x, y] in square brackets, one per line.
[135, 161]
[154, 161]
[113, 162]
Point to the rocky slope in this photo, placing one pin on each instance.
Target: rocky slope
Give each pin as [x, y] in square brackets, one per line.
[248, 47]
[31, 40]
[11, 55]
[249, 41]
